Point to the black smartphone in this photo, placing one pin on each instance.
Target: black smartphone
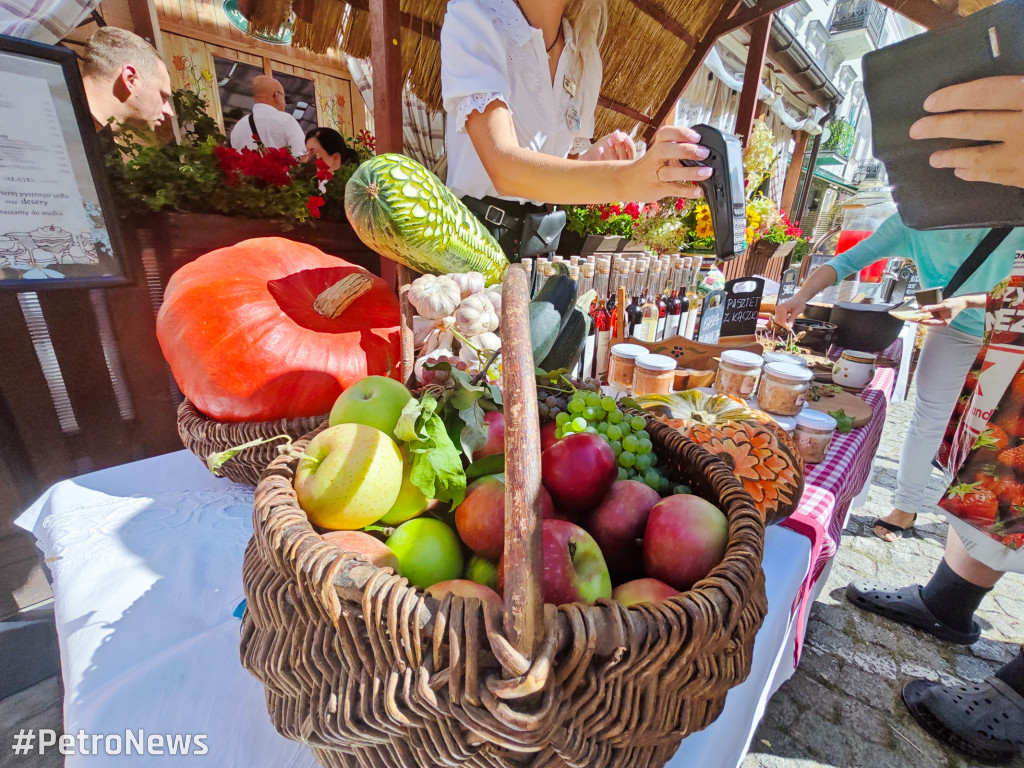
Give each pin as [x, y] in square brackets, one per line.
[724, 191]
[897, 80]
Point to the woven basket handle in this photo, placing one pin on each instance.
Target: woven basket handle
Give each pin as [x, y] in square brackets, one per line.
[524, 564]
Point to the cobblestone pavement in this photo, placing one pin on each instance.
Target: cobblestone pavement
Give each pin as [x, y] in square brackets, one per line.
[842, 707]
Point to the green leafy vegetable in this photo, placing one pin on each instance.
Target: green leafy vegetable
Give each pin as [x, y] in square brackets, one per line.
[436, 465]
[844, 423]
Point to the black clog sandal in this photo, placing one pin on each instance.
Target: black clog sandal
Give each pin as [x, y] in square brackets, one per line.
[904, 604]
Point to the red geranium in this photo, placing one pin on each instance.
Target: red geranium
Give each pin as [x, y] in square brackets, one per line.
[313, 205]
[323, 173]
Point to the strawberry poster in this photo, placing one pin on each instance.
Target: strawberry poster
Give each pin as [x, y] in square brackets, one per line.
[982, 452]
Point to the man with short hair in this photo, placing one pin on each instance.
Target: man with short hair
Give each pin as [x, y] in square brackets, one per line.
[125, 80]
[268, 124]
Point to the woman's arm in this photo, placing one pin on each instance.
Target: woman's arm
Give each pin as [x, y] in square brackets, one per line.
[523, 173]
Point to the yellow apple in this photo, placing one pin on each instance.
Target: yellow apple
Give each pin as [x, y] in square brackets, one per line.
[349, 477]
[410, 503]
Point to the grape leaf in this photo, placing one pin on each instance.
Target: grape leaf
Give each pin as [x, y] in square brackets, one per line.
[436, 464]
[844, 423]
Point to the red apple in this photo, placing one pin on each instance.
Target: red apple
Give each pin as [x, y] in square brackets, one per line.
[643, 591]
[374, 550]
[480, 518]
[578, 470]
[467, 588]
[494, 421]
[685, 538]
[547, 435]
[574, 568]
[618, 523]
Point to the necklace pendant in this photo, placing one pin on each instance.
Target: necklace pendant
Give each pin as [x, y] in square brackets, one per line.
[569, 85]
[572, 119]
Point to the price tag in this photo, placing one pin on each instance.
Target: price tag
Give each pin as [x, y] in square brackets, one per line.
[711, 318]
[788, 286]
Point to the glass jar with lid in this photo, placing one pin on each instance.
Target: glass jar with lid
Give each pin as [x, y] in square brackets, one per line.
[784, 357]
[654, 375]
[621, 363]
[738, 373]
[783, 388]
[813, 435]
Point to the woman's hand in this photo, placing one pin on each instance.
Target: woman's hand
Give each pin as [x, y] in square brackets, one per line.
[615, 146]
[944, 312]
[660, 172]
[788, 311]
[989, 109]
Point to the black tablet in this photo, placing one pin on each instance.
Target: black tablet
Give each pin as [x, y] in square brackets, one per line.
[898, 79]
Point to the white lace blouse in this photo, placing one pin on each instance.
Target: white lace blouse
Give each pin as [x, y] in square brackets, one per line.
[489, 52]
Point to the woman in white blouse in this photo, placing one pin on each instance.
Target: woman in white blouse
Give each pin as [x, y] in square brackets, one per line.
[520, 81]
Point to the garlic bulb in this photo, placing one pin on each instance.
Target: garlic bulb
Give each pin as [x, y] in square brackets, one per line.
[486, 343]
[428, 335]
[495, 298]
[469, 283]
[476, 315]
[434, 297]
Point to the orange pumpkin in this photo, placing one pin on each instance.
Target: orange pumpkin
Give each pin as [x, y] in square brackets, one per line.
[763, 458]
[251, 332]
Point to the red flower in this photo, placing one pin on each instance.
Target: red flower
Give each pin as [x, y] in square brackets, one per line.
[680, 203]
[368, 140]
[615, 209]
[605, 214]
[633, 209]
[323, 173]
[313, 205]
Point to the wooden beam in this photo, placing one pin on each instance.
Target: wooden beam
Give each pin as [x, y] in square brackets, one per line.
[759, 34]
[748, 15]
[793, 172]
[406, 20]
[145, 22]
[622, 109]
[386, 58]
[700, 52]
[925, 12]
[668, 22]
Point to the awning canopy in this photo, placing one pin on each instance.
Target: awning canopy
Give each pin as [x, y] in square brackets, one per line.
[652, 49]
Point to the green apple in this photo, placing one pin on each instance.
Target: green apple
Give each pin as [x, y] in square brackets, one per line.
[349, 476]
[428, 551]
[375, 401]
[410, 503]
[482, 571]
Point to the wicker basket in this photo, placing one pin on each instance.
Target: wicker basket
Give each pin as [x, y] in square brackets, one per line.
[369, 671]
[204, 436]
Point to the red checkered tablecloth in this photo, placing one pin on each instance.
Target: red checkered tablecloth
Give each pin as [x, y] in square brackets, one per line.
[831, 486]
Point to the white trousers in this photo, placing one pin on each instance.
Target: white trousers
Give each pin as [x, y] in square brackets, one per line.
[946, 357]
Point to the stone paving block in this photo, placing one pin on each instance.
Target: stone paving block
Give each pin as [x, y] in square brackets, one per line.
[807, 692]
[830, 742]
[831, 614]
[867, 687]
[823, 637]
[994, 650]
[823, 667]
[971, 667]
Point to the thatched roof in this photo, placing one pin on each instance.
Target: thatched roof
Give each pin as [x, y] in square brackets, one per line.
[652, 47]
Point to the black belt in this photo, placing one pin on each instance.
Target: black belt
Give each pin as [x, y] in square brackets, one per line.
[504, 214]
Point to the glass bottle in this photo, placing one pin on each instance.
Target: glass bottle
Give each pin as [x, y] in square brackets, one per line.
[649, 314]
[603, 325]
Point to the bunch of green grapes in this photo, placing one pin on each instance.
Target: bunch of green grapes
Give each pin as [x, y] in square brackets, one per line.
[552, 396]
[588, 411]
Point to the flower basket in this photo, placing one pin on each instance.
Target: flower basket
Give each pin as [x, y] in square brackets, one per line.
[369, 671]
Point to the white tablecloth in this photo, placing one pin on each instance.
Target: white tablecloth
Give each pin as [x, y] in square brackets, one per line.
[146, 561]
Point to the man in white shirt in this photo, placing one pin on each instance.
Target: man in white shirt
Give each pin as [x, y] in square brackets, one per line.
[273, 126]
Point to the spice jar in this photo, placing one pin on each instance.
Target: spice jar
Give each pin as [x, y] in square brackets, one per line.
[738, 373]
[813, 436]
[621, 363]
[783, 388]
[784, 357]
[654, 375]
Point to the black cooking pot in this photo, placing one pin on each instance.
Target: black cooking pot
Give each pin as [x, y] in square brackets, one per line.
[865, 327]
[818, 335]
[818, 312]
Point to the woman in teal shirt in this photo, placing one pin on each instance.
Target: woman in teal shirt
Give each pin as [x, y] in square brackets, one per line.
[953, 341]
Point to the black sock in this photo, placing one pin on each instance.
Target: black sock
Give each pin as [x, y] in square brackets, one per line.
[953, 599]
[1013, 673]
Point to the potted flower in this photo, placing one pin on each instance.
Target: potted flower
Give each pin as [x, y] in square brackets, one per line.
[599, 228]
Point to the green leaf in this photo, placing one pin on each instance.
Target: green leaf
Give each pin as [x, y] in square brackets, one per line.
[474, 434]
[844, 423]
[437, 465]
[405, 428]
[488, 465]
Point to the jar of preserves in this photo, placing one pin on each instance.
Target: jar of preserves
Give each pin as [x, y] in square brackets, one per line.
[784, 357]
[783, 388]
[788, 423]
[738, 373]
[621, 363]
[654, 375]
[813, 435]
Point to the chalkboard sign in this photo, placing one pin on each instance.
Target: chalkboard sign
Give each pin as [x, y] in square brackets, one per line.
[913, 280]
[788, 286]
[742, 303]
[711, 318]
